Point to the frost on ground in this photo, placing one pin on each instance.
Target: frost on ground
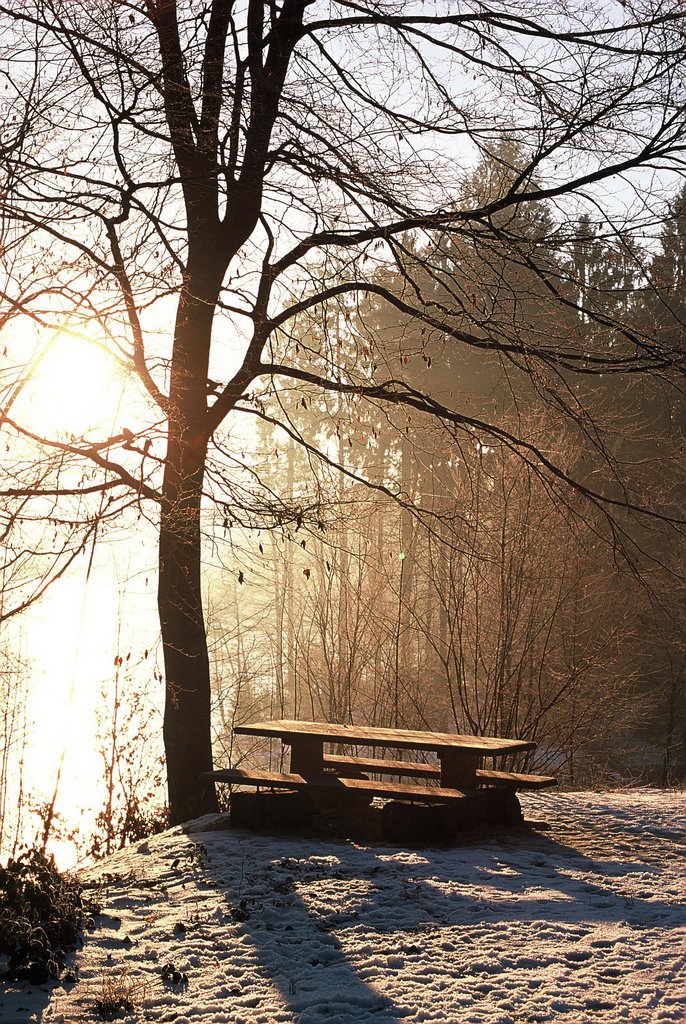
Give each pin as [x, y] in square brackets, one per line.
[583, 922]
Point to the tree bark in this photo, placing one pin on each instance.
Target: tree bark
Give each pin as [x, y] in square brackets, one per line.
[187, 714]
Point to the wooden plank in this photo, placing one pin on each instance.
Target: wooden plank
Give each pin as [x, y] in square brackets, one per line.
[516, 780]
[257, 777]
[341, 763]
[385, 766]
[334, 783]
[408, 739]
[427, 794]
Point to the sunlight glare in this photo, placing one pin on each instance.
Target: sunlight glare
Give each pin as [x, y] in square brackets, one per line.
[72, 633]
[76, 388]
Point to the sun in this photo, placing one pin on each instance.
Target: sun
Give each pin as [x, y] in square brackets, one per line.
[75, 389]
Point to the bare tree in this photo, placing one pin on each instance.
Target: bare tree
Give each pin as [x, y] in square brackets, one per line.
[188, 173]
[13, 736]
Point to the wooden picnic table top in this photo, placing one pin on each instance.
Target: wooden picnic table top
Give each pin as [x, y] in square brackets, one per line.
[363, 735]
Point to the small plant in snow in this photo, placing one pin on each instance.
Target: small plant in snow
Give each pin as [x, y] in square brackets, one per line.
[119, 994]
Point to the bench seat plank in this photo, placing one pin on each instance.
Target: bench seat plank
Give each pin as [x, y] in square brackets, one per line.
[518, 780]
[334, 784]
[384, 766]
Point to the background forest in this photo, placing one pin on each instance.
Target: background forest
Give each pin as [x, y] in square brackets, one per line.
[461, 591]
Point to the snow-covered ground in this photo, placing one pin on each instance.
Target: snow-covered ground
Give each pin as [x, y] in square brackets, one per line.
[582, 922]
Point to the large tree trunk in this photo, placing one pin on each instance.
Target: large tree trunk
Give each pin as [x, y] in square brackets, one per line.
[187, 718]
[187, 724]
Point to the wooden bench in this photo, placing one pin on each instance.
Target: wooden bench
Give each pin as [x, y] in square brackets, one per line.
[332, 784]
[416, 769]
[417, 812]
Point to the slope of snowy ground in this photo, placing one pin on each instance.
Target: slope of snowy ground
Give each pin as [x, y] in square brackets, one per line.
[582, 922]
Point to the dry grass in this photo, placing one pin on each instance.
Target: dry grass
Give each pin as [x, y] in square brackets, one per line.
[120, 993]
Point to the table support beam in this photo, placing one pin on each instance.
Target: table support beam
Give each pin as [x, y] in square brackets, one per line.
[458, 769]
[307, 755]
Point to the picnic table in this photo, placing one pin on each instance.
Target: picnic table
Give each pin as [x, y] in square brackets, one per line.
[459, 756]
[456, 775]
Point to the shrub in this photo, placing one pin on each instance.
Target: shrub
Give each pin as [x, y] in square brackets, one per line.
[42, 914]
[119, 994]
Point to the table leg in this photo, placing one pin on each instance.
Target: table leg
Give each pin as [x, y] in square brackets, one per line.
[307, 755]
[458, 769]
